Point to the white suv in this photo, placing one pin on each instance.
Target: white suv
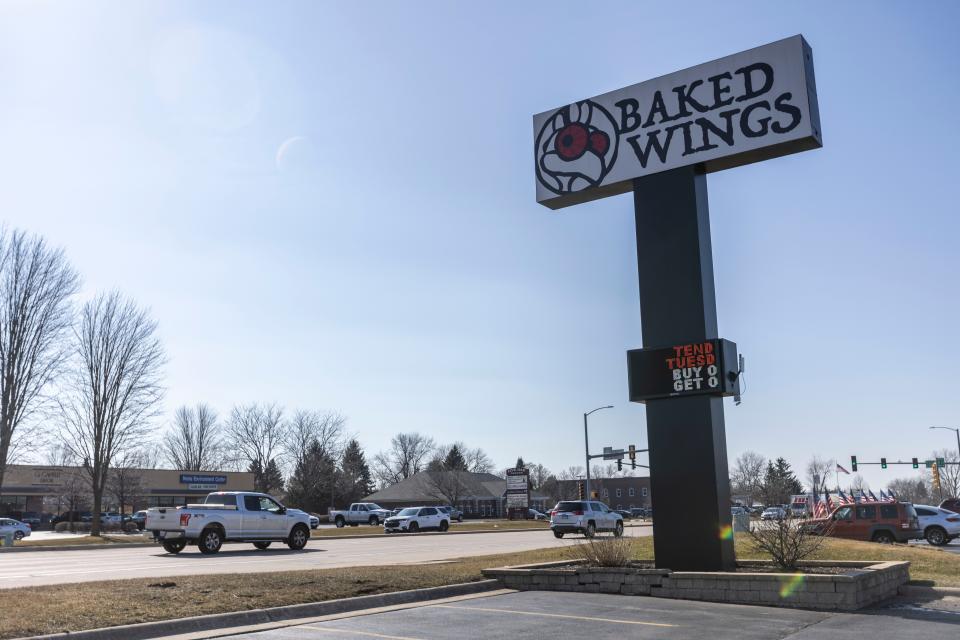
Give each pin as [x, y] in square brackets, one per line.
[939, 525]
[414, 519]
[586, 517]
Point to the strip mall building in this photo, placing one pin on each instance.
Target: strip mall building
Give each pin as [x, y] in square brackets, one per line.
[48, 491]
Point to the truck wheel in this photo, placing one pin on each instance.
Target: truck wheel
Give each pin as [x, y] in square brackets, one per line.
[557, 534]
[591, 530]
[374, 521]
[174, 546]
[339, 522]
[618, 529]
[444, 525]
[261, 545]
[210, 541]
[298, 537]
[413, 528]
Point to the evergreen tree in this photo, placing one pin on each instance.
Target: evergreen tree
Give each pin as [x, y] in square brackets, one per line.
[780, 483]
[312, 486]
[520, 463]
[354, 474]
[454, 460]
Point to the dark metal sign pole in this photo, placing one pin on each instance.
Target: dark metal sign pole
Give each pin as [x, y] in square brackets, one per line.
[687, 440]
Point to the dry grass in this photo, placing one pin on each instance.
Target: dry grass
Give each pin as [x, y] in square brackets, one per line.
[75, 607]
[82, 540]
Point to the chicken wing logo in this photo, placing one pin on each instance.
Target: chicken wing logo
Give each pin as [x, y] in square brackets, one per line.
[576, 147]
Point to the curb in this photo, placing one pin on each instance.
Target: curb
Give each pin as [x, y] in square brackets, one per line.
[934, 592]
[222, 621]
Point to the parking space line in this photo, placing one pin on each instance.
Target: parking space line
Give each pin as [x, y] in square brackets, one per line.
[557, 615]
[368, 634]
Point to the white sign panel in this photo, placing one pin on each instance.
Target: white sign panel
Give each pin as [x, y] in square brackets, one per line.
[517, 500]
[204, 487]
[750, 106]
[517, 482]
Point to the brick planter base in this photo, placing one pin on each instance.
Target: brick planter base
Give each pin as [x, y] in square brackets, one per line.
[861, 584]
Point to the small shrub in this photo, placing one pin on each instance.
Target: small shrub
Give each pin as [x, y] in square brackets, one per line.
[604, 552]
[131, 527]
[788, 541]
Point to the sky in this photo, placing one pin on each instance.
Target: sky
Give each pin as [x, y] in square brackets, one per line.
[331, 206]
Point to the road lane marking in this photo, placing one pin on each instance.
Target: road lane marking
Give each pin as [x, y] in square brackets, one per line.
[557, 615]
[368, 634]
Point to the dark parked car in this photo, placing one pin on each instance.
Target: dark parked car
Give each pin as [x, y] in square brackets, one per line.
[951, 504]
[627, 515]
[72, 516]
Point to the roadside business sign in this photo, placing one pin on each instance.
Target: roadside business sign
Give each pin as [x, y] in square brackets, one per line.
[750, 106]
[204, 479]
[704, 367]
[518, 493]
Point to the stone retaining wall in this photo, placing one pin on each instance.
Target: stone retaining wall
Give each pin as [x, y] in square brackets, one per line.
[860, 585]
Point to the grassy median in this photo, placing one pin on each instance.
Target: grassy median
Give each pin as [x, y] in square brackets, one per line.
[74, 607]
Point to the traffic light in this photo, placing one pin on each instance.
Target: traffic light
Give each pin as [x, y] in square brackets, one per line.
[619, 464]
[580, 490]
[853, 462]
[916, 463]
[632, 452]
[936, 476]
[883, 463]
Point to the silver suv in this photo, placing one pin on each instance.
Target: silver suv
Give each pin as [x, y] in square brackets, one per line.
[586, 517]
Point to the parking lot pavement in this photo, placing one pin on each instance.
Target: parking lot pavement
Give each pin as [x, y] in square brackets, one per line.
[544, 614]
[952, 547]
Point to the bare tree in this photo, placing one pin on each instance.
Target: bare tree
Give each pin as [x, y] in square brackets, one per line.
[255, 434]
[125, 481]
[910, 489]
[193, 442]
[408, 454]
[115, 390]
[748, 474]
[36, 284]
[858, 484]
[309, 427]
[477, 460]
[818, 471]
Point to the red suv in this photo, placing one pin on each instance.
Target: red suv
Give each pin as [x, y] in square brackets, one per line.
[875, 521]
[951, 504]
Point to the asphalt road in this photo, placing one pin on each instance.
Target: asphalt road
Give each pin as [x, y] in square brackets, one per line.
[55, 567]
[552, 615]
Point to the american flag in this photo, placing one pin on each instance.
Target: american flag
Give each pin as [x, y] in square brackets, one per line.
[820, 509]
[845, 499]
[829, 503]
[863, 496]
[840, 468]
[891, 498]
[873, 497]
[883, 496]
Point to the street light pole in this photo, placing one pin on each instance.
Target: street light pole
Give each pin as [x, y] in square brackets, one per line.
[956, 431]
[586, 444]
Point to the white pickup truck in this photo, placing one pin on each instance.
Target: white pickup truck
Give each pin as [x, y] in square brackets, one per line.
[359, 513]
[236, 516]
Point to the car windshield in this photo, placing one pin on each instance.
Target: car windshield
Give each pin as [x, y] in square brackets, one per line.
[409, 511]
[569, 506]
